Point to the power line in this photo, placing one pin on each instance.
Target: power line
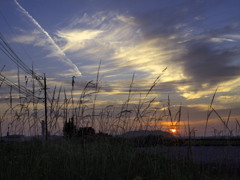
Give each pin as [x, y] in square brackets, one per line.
[8, 51]
[22, 89]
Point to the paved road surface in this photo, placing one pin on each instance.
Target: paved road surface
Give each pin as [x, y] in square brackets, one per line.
[229, 155]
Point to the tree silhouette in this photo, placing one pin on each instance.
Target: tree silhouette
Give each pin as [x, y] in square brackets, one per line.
[85, 131]
[69, 128]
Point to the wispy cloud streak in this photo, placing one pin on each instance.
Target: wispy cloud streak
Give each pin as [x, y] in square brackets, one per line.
[56, 47]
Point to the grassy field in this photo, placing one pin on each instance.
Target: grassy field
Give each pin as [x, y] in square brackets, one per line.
[96, 158]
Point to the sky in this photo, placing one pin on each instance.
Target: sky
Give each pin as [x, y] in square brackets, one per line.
[194, 45]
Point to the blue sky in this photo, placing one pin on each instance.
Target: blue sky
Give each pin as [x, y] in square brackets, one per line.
[197, 40]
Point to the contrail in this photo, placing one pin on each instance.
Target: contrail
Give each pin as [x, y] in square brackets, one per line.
[59, 50]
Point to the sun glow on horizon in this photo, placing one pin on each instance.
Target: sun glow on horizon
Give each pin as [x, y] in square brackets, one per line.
[173, 130]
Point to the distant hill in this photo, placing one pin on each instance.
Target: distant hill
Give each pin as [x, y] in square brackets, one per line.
[131, 134]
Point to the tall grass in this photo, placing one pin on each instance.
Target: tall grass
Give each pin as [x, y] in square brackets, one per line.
[98, 157]
[24, 115]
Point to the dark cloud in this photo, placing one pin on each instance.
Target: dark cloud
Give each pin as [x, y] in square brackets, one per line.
[167, 19]
[205, 64]
[195, 23]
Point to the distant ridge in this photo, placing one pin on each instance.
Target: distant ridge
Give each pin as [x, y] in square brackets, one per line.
[138, 133]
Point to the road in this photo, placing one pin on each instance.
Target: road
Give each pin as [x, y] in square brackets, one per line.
[229, 155]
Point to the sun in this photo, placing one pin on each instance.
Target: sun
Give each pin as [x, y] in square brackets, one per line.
[173, 130]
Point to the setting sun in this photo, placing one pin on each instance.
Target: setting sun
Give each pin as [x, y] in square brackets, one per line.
[173, 130]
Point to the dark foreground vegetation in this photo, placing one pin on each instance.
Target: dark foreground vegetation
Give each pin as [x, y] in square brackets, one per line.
[99, 157]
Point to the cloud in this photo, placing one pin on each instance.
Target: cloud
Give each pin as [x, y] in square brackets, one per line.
[204, 107]
[99, 34]
[27, 39]
[221, 39]
[206, 53]
[118, 40]
[76, 39]
[233, 36]
[206, 65]
[35, 38]
[207, 56]
[177, 35]
[148, 43]
[228, 99]
[55, 48]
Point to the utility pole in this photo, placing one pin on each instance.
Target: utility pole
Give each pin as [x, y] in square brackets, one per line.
[45, 104]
